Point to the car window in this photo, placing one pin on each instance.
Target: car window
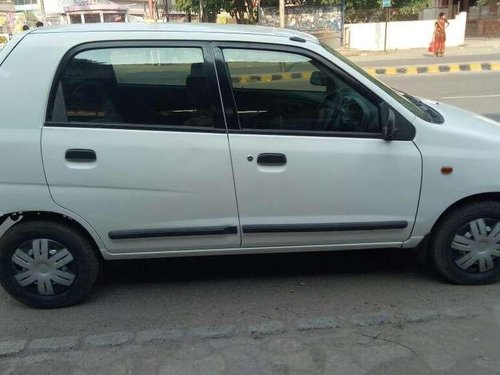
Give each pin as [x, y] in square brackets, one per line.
[406, 102]
[286, 91]
[152, 86]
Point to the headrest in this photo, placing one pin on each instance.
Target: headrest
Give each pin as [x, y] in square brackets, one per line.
[199, 82]
[197, 70]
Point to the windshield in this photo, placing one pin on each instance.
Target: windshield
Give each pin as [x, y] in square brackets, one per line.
[405, 101]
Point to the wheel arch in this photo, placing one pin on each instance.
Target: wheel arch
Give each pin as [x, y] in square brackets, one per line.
[482, 197]
[422, 248]
[83, 228]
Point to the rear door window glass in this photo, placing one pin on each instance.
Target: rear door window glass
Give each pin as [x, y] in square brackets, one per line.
[152, 86]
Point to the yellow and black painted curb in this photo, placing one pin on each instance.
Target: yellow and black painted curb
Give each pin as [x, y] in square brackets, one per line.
[251, 78]
[408, 70]
[436, 68]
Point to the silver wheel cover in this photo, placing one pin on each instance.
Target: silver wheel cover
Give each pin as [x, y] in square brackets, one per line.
[476, 246]
[44, 266]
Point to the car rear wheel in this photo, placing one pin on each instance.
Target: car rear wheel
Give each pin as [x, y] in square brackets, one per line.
[47, 264]
[465, 246]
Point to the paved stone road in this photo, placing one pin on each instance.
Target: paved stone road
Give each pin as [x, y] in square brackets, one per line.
[450, 341]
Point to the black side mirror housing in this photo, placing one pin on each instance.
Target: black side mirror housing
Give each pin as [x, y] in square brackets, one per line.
[387, 121]
[318, 79]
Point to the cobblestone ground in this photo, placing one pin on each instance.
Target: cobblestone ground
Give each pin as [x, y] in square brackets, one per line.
[452, 341]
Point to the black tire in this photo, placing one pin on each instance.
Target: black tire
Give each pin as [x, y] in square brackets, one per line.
[84, 263]
[444, 257]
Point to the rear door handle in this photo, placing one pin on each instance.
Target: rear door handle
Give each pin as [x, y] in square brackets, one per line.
[271, 159]
[79, 155]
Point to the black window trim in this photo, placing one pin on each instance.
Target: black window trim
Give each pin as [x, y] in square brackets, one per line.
[309, 133]
[226, 90]
[209, 62]
[232, 114]
[127, 126]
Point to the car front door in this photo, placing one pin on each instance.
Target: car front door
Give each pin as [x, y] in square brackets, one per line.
[310, 164]
[136, 145]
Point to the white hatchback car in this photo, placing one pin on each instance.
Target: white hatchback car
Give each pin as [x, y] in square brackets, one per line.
[138, 141]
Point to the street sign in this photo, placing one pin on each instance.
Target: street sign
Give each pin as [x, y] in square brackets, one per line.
[386, 3]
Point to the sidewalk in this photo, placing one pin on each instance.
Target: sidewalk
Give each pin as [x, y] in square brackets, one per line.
[477, 54]
[453, 341]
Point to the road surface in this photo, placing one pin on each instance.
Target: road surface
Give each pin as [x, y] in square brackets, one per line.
[478, 92]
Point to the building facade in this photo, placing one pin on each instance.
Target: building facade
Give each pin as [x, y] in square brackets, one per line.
[7, 9]
[53, 11]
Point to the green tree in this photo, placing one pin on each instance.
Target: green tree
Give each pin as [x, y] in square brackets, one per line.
[356, 10]
[242, 10]
[210, 8]
[363, 10]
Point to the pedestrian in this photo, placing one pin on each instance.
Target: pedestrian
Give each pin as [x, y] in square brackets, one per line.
[39, 24]
[439, 36]
[26, 27]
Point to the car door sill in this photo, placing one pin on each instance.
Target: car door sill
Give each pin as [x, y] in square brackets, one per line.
[250, 250]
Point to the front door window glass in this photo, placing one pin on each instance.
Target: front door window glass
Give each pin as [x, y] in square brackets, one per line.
[285, 91]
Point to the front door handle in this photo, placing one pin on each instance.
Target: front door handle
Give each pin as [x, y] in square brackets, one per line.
[79, 155]
[271, 159]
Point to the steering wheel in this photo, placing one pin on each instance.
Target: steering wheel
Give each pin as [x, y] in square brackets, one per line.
[354, 113]
[328, 111]
[345, 110]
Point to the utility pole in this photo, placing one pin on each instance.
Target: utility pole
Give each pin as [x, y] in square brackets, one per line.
[41, 5]
[151, 13]
[282, 14]
[165, 11]
[386, 4]
[342, 21]
[450, 12]
[258, 12]
[201, 17]
[385, 33]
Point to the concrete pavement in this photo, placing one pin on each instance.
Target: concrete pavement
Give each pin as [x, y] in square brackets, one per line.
[451, 341]
[477, 54]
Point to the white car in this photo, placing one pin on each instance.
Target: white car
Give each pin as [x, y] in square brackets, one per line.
[127, 141]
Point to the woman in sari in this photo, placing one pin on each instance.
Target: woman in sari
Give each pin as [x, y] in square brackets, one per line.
[440, 34]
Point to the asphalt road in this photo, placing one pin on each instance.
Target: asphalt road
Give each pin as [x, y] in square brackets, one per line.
[477, 92]
[212, 291]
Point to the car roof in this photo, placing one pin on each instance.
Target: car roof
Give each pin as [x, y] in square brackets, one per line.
[176, 27]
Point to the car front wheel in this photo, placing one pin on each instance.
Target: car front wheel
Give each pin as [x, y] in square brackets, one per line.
[465, 246]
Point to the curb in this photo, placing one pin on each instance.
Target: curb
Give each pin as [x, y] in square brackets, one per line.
[256, 331]
[436, 68]
[395, 70]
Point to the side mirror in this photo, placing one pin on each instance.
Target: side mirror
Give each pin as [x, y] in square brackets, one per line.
[387, 121]
[318, 79]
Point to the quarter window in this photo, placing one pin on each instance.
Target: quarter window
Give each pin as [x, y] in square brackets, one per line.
[286, 91]
[152, 86]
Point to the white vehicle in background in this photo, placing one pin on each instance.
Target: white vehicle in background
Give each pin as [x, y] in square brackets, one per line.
[127, 141]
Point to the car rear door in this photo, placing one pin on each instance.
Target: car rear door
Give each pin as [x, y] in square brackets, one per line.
[313, 169]
[135, 143]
